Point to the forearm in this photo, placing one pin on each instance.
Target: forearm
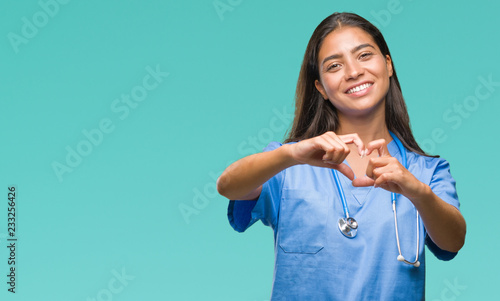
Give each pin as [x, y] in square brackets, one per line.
[443, 222]
[246, 175]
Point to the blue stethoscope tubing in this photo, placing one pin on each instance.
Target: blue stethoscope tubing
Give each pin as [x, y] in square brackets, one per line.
[348, 226]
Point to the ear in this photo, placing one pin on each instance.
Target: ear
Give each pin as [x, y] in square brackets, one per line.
[388, 63]
[321, 89]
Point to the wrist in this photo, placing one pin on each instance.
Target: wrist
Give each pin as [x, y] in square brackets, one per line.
[422, 193]
[287, 155]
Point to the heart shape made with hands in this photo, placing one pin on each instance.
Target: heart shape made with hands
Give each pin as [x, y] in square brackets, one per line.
[330, 150]
[380, 146]
[382, 171]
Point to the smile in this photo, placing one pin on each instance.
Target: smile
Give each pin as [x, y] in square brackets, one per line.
[359, 88]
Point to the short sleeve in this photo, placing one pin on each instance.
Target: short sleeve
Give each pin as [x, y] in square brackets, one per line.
[444, 186]
[243, 214]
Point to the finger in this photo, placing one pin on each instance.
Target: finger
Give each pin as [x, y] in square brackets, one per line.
[354, 138]
[363, 181]
[381, 182]
[380, 146]
[384, 171]
[342, 168]
[345, 170]
[385, 181]
[341, 150]
[334, 150]
[378, 164]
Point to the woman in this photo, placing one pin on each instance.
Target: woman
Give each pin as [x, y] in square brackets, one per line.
[351, 137]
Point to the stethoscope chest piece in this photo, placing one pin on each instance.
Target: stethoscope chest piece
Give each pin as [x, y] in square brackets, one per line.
[348, 227]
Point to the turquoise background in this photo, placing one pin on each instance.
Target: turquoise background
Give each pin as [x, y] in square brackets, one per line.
[229, 91]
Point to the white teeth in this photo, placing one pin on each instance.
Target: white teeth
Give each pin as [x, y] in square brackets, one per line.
[359, 88]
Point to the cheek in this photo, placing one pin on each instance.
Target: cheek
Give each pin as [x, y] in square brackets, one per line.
[381, 66]
[331, 84]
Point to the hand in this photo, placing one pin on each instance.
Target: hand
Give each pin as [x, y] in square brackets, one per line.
[328, 150]
[387, 172]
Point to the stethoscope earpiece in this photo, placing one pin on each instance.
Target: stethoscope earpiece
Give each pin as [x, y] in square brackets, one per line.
[416, 263]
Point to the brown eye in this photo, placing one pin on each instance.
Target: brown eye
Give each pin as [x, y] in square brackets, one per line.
[365, 55]
[332, 66]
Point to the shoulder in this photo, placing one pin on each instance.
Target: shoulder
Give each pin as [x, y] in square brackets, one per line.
[426, 162]
[429, 169]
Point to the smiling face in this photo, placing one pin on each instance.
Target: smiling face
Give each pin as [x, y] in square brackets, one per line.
[353, 73]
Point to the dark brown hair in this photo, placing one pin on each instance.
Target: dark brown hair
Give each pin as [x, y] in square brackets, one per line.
[315, 116]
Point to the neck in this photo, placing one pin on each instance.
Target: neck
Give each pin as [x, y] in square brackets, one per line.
[368, 128]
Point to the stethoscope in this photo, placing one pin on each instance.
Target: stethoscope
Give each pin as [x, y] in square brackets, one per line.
[348, 226]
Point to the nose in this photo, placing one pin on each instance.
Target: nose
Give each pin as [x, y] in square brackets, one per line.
[353, 70]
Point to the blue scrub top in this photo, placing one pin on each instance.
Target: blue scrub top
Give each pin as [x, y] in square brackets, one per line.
[314, 261]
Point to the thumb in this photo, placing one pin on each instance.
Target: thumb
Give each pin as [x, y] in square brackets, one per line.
[345, 170]
[363, 182]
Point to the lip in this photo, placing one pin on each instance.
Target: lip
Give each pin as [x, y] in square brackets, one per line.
[359, 84]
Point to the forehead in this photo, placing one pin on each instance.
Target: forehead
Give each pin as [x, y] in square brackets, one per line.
[343, 40]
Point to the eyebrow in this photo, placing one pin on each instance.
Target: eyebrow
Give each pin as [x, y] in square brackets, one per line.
[336, 56]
